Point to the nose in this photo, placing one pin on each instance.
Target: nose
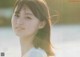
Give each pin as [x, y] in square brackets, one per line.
[19, 21]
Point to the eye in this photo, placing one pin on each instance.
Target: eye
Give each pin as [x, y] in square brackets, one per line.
[16, 15]
[28, 17]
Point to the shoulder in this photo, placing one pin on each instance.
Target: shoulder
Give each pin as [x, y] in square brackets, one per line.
[37, 53]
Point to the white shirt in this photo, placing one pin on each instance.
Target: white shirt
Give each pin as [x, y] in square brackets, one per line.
[35, 53]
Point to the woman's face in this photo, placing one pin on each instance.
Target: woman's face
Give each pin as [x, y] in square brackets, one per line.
[25, 24]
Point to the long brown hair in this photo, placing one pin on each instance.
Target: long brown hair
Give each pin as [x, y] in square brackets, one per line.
[41, 11]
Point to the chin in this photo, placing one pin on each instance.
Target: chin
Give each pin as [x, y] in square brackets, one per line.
[19, 34]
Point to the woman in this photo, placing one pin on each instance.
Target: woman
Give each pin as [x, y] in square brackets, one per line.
[31, 22]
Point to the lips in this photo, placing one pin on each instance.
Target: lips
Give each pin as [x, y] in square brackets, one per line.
[20, 28]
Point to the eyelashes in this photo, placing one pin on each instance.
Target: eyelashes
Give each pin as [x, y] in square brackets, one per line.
[16, 15]
[28, 17]
[25, 17]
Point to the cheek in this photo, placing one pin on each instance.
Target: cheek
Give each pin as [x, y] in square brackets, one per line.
[12, 20]
[33, 26]
[13, 23]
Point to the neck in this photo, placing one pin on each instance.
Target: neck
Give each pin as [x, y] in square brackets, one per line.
[26, 44]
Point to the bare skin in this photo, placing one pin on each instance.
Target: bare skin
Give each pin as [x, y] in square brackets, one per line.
[26, 26]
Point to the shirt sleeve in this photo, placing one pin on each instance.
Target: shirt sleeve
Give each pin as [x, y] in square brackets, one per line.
[37, 53]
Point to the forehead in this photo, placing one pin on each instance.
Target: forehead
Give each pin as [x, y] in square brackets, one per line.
[25, 10]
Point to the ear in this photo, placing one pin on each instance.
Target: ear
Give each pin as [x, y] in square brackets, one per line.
[42, 24]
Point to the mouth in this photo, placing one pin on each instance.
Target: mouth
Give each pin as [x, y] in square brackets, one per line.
[19, 28]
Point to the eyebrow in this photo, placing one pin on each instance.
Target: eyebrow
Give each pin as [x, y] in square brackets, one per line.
[16, 12]
[28, 14]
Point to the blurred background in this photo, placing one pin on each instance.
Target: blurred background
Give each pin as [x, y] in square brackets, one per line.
[65, 33]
